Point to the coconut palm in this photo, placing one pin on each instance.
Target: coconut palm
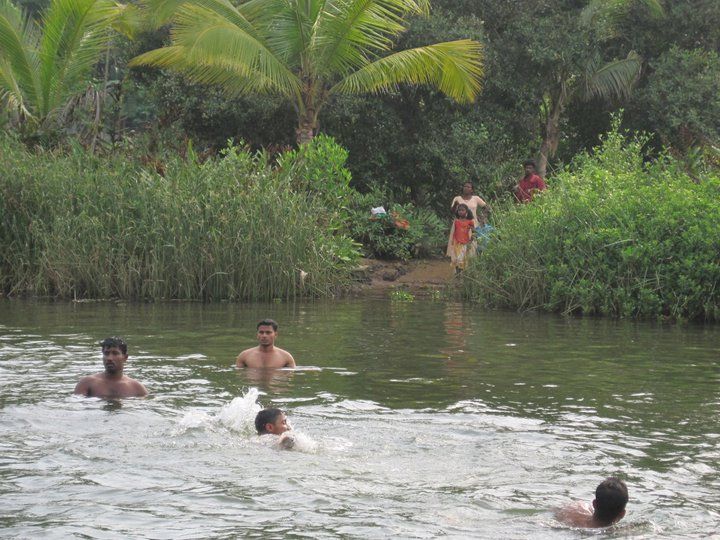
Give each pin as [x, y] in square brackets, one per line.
[308, 50]
[587, 76]
[44, 66]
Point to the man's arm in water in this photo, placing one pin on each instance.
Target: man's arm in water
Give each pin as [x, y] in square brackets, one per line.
[289, 361]
[84, 386]
[241, 360]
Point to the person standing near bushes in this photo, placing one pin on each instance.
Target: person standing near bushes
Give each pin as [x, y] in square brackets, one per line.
[529, 184]
[460, 245]
[477, 206]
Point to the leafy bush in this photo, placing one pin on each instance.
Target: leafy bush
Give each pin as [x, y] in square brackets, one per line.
[424, 235]
[77, 225]
[613, 236]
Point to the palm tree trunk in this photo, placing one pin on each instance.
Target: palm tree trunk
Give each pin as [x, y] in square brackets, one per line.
[305, 131]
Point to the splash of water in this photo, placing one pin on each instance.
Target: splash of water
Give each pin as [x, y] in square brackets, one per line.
[239, 414]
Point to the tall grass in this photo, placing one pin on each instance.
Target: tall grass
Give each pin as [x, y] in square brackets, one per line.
[613, 235]
[80, 226]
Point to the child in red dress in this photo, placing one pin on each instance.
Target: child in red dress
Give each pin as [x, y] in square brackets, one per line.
[461, 245]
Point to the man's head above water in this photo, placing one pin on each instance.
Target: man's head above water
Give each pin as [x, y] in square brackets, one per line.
[611, 496]
[271, 421]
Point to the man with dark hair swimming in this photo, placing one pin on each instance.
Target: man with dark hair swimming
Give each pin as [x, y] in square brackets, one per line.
[265, 355]
[608, 507]
[111, 383]
[273, 421]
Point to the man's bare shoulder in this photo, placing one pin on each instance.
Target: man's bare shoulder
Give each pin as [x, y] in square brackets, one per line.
[86, 383]
[287, 357]
[244, 356]
[575, 514]
[136, 388]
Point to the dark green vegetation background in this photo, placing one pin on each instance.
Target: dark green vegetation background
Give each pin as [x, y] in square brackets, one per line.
[154, 207]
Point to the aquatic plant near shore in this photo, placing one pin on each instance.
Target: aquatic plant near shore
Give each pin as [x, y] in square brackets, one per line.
[614, 236]
[83, 226]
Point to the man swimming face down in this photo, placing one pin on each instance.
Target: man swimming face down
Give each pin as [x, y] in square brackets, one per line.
[271, 421]
[608, 507]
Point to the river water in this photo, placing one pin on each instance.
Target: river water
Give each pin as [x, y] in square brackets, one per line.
[414, 420]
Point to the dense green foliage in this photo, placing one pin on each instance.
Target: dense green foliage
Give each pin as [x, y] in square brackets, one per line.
[308, 51]
[613, 236]
[420, 234]
[83, 226]
[683, 98]
[46, 67]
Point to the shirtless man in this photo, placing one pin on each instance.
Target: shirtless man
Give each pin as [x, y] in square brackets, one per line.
[608, 507]
[111, 383]
[265, 355]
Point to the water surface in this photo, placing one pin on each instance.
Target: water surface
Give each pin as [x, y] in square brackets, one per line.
[418, 420]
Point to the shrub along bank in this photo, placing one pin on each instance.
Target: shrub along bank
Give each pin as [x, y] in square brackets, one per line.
[75, 225]
[613, 235]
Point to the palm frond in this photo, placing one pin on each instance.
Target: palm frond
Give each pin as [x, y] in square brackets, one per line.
[454, 68]
[606, 15]
[75, 34]
[235, 78]
[615, 79]
[19, 41]
[351, 33]
[10, 92]
[204, 38]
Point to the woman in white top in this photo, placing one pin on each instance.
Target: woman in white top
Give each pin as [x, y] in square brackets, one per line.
[473, 202]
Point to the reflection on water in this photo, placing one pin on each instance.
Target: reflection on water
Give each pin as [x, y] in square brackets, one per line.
[427, 419]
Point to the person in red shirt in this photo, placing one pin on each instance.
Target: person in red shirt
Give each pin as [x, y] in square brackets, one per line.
[529, 184]
[461, 245]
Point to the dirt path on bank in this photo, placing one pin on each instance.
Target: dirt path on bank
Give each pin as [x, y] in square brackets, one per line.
[419, 277]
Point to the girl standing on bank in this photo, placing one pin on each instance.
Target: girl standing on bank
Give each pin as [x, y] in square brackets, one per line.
[460, 245]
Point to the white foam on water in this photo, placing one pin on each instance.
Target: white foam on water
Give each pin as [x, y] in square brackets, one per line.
[239, 415]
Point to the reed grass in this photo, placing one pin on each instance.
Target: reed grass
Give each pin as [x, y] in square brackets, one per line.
[76, 225]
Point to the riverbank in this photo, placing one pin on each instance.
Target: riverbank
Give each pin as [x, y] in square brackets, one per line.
[420, 277]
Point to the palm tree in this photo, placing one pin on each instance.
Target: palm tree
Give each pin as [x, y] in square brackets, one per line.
[587, 76]
[44, 67]
[308, 50]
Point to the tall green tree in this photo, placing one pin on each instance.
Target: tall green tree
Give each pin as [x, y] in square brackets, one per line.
[309, 50]
[576, 63]
[43, 66]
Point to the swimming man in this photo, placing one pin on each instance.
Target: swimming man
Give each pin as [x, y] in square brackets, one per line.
[265, 355]
[274, 421]
[111, 383]
[608, 507]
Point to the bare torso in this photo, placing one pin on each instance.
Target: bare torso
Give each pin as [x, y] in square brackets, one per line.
[102, 386]
[259, 357]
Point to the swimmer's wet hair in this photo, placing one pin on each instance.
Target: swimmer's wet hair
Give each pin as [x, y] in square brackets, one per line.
[611, 496]
[268, 322]
[114, 341]
[266, 416]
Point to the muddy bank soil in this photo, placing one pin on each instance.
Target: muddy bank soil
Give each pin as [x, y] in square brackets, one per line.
[417, 276]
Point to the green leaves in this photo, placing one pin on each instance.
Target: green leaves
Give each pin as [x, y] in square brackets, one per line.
[614, 236]
[615, 79]
[308, 50]
[42, 67]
